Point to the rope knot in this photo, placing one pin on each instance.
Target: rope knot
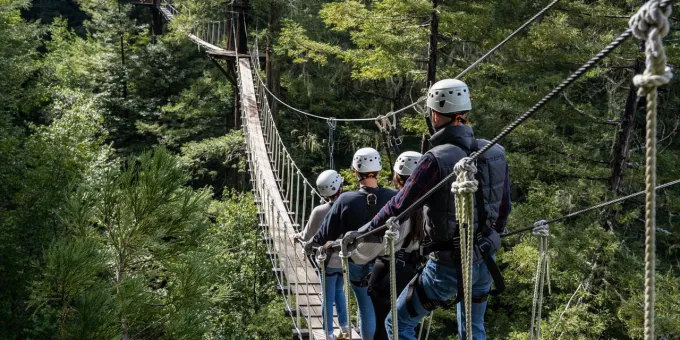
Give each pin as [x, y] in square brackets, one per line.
[541, 229]
[651, 24]
[321, 256]
[465, 171]
[392, 232]
[332, 123]
[648, 81]
[651, 18]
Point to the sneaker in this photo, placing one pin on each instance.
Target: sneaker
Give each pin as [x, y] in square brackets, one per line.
[342, 335]
[331, 337]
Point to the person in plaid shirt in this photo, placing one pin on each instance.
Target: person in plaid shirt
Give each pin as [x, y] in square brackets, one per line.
[440, 279]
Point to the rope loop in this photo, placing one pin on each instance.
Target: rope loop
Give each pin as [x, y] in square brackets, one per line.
[383, 123]
[321, 255]
[465, 171]
[332, 123]
[392, 232]
[541, 229]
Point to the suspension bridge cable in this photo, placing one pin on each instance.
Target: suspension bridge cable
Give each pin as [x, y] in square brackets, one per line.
[595, 207]
[468, 69]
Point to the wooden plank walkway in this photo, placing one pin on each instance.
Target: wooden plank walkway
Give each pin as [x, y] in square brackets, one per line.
[299, 274]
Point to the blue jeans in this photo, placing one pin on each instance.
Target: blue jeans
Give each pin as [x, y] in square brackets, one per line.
[357, 272]
[335, 293]
[439, 282]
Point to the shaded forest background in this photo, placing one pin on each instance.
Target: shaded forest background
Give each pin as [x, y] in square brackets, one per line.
[124, 205]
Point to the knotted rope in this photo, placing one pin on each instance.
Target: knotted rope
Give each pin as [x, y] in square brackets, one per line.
[391, 237]
[321, 259]
[464, 188]
[650, 24]
[332, 124]
[344, 258]
[542, 230]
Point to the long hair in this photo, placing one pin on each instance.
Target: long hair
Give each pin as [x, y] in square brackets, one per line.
[417, 219]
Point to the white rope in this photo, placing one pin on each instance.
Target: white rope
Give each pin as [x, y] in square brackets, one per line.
[321, 258]
[542, 277]
[464, 188]
[344, 259]
[391, 236]
[651, 24]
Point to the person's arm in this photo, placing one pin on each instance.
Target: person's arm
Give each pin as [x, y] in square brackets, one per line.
[425, 176]
[331, 228]
[506, 205]
[314, 223]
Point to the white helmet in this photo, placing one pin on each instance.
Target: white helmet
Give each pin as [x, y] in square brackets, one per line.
[406, 162]
[366, 160]
[449, 96]
[329, 183]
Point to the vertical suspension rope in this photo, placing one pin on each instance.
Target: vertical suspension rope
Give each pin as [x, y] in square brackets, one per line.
[464, 188]
[541, 278]
[332, 123]
[651, 24]
[297, 201]
[391, 236]
[321, 259]
[344, 259]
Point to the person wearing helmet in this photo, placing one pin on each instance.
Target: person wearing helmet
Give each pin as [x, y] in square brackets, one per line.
[407, 257]
[441, 278]
[351, 211]
[329, 184]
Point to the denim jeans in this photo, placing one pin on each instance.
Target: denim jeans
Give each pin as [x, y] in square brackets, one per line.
[439, 282]
[335, 294]
[357, 272]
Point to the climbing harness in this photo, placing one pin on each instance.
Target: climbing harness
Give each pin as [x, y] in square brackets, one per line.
[344, 258]
[391, 236]
[332, 123]
[464, 188]
[541, 278]
[650, 24]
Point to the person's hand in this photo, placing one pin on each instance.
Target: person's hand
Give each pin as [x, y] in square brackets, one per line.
[309, 247]
[349, 241]
[297, 237]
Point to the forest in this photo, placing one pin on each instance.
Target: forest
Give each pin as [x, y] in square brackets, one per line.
[125, 202]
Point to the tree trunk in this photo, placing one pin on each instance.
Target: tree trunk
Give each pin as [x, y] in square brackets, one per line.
[122, 55]
[621, 149]
[432, 56]
[119, 278]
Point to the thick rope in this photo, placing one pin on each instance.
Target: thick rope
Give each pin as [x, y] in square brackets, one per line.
[321, 258]
[344, 258]
[464, 188]
[651, 24]
[541, 278]
[391, 236]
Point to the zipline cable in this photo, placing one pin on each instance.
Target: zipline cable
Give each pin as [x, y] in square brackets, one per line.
[601, 205]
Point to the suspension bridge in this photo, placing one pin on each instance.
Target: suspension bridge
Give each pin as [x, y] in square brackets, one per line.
[285, 198]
